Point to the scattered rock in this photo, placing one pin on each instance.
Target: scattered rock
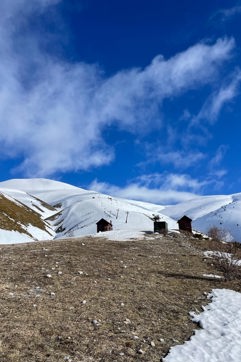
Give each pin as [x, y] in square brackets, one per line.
[127, 321]
[140, 351]
[95, 323]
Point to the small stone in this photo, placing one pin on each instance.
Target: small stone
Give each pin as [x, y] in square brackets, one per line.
[60, 272]
[127, 321]
[152, 344]
[48, 275]
[67, 359]
[80, 272]
[140, 351]
[122, 304]
[83, 302]
[95, 323]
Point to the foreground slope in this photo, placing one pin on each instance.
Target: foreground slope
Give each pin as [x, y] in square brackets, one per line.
[91, 299]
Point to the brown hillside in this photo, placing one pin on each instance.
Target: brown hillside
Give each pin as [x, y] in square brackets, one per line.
[14, 215]
[95, 300]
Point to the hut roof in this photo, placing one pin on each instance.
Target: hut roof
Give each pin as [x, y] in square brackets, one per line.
[103, 222]
[185, 218]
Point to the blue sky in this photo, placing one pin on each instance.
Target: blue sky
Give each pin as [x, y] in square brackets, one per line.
[138, 99]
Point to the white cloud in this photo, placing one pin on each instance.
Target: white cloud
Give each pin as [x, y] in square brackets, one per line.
[228, 13]
[56, 112]
[180, 159]
[214, 166]
[218, 157]
[138, 192]
[156, 188]
[182, 181]
[216, 101]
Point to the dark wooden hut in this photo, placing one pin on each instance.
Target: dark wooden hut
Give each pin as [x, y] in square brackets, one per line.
[185, 223]
[160, 227]
[104, 225]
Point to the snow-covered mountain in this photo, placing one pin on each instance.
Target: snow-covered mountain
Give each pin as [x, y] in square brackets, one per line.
[75, 211]
[22, 217]
[69, 211]
[223, 211]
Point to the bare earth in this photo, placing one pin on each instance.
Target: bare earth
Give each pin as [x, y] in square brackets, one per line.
[91, 299]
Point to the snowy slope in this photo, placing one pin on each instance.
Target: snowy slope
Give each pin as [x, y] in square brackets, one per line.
[222, 211]
[79, 209]
[22, 217]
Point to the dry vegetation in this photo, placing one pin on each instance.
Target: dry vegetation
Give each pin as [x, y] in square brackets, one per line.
[91, 299]
[15, 215]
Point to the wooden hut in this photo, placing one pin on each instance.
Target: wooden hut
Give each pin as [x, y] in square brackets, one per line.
[185, 223]
[160, 227]
[104, 225]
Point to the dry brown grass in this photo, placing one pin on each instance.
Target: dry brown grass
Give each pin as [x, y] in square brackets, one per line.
[138, 296]
[14, 216]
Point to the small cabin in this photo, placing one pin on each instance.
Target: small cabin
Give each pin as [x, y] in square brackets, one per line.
[185, 223]
[104, 225]
[160, 227]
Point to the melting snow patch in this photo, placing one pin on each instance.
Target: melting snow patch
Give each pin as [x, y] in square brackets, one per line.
[213, 276]
[121, 235]
[210, 254]
[219, 338]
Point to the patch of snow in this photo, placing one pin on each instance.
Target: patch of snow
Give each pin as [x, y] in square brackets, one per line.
[219, 338]
[121, 235]
[13, 237]
[219, 254]
[213, 276]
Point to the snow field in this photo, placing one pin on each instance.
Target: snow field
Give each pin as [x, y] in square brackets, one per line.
[219, 338]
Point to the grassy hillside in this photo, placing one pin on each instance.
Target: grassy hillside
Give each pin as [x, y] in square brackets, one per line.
[16, 216]
[90, 299]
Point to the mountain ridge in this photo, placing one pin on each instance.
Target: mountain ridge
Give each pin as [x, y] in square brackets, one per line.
[70, 211]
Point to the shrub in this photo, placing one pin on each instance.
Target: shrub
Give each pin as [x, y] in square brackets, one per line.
[226, 260]
[216, 234]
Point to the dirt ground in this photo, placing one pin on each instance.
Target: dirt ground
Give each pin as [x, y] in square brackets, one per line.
[91, 299]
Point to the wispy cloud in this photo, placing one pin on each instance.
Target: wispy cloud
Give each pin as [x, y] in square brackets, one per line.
[218, 157]
[180, 159]
[216, 101]
[229, 13]
[215, 169]
[57, 111]
[142, 193]
[157, 188]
